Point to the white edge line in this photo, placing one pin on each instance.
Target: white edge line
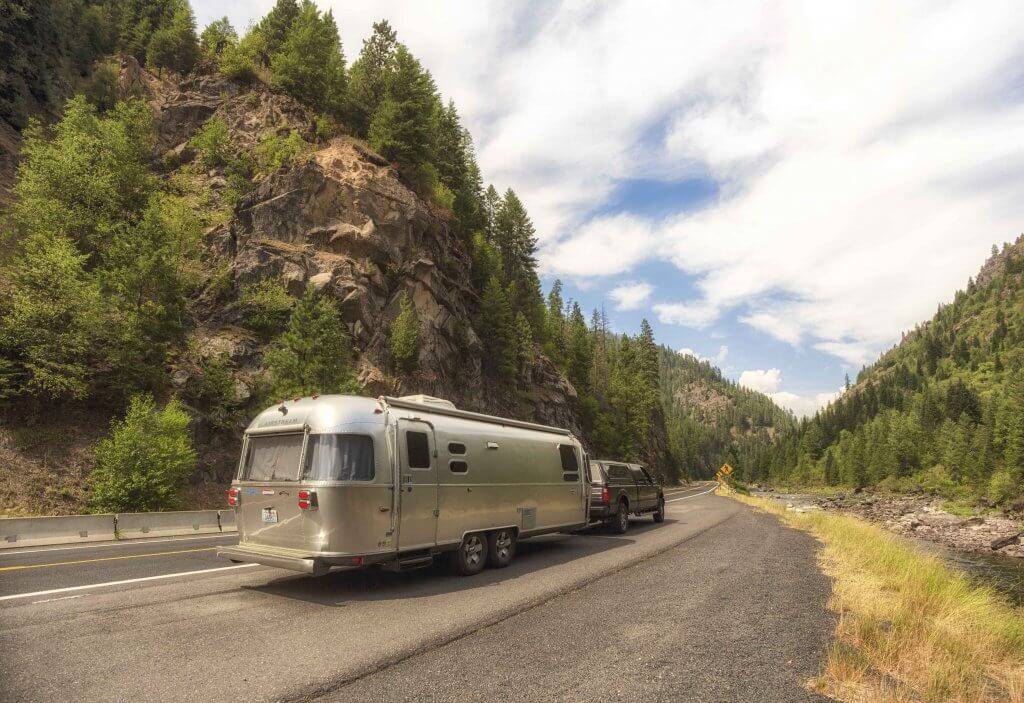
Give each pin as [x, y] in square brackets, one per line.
[125, 581]
[695, 495]
[6, 551]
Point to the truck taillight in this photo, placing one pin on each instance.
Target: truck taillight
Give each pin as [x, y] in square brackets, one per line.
[605, 496]
[233, 497]
[307, 500]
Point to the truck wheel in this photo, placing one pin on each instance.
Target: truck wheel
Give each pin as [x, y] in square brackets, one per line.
[659, 513]
[471, 556]
[620, 523]
[502, 548]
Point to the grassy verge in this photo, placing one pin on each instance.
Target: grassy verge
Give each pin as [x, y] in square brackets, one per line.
[910, 628]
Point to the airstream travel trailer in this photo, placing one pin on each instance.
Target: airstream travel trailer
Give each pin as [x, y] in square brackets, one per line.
[345, 481]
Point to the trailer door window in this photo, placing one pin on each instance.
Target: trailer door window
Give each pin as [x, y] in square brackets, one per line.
[340, 457]
[568, 453]
[418, 450]
[273, 457]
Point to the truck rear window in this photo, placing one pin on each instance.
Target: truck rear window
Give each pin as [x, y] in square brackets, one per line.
[340, 457]
[273, 458]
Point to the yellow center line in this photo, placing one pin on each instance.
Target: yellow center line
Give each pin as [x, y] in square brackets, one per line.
[90, 561]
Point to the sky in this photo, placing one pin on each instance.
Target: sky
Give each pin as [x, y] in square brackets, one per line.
[781, 187]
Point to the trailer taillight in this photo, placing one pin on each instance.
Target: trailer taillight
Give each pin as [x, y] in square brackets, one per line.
[233, 497]
[307, 500]
[606, 497]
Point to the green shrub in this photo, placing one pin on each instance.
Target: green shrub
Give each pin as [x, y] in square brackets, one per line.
[239, 171]
[405, 336]
[266, 308]
[938, 481]
[239, 61]
[146, 461]
[213, 142]
[211, 391]
[274, 151]
[100, 88]
[314, 354]
[1001, 487]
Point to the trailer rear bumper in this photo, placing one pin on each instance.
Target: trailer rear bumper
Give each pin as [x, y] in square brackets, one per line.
[303, 564]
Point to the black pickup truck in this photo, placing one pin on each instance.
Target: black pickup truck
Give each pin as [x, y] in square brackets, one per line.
[619, 489]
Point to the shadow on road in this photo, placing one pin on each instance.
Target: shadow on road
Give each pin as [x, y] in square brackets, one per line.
[339, 588]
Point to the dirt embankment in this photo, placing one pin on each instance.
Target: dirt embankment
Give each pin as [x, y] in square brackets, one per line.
[923, 517]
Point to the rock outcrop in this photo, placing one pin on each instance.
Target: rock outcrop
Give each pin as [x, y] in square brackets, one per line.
[343, 222]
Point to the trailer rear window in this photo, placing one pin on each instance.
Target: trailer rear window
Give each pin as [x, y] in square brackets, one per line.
[340, 457]
[273, 458]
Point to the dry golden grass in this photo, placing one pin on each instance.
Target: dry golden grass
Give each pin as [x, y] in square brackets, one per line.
[910, 629]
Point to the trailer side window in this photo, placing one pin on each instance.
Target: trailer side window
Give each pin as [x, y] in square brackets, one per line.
[418, 450]
[568, 453]
[456, 448]
[340, 457]
[458, 467]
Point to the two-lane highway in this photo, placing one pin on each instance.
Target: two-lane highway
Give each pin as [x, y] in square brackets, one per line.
[182, 625]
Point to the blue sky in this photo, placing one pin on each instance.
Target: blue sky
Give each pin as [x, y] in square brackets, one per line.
[797, 182]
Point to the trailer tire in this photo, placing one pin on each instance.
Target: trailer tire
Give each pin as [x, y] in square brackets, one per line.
[620, 522]
[501, 547]
[659, 512]
[471, 556]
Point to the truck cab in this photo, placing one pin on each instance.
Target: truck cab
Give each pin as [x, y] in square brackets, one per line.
[619, 489]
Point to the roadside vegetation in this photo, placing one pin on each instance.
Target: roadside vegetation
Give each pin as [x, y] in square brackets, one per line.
[910, 628]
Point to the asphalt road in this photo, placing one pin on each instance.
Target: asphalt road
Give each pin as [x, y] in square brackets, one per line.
[715, 604]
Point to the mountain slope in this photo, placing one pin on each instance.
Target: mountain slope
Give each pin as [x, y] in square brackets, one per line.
[942, 411]
[712, 420]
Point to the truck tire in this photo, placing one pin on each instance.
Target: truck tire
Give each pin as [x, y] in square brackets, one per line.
[620, 521]
[659, 512]
[501, 547]
[471, 556]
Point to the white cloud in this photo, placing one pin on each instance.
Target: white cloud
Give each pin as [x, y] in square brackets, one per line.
[769, 381]
[716, 360]
[688, 314]
[760, 380]
[630, 296]
[804, 405]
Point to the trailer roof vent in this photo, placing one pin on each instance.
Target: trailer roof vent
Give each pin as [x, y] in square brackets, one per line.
[428, 400]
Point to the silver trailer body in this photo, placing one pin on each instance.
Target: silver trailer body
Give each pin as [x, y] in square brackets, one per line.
[347, 481]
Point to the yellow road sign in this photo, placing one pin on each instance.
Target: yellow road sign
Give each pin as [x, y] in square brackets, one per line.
[726, 469]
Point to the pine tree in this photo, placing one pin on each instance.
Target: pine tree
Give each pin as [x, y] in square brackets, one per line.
[579, 352]
[523, 342]
[405, 335]
[175, 44]
[497, 330]
[401, 127]
[309, 64]
[314, 354]
[370, 74]
[216, 37]
[275, 25]
[49, 322]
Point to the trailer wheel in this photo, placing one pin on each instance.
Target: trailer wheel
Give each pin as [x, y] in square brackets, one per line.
[471, 556]
[659, 513]
[620, 523]
[502, 547]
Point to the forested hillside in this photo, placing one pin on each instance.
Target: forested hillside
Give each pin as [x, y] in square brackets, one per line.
[943, 411]
[203, 223]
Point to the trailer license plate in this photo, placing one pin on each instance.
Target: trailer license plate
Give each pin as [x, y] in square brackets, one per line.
[269, 515]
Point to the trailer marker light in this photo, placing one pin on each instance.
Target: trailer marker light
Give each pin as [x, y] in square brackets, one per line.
[307, 500]
[232, 497]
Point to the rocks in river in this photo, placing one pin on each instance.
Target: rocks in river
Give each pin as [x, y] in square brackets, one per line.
[1002, 542]
[924, 517]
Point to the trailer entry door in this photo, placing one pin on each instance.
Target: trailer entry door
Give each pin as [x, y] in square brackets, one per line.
[418, 476]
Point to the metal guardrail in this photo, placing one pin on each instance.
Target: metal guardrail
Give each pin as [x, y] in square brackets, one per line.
[71, 529]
